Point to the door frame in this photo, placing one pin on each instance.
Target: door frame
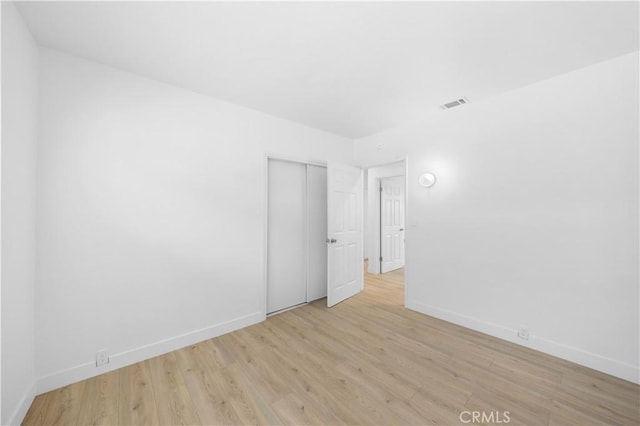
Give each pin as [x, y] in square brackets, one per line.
[407, 227]
[265, 220]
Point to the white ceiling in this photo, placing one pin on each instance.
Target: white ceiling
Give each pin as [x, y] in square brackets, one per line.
[353, 69]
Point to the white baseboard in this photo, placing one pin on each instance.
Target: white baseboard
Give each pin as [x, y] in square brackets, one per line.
[85, 371]
[21, 410]
[597, 362]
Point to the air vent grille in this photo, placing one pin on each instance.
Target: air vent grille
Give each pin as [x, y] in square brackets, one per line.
[455, 103]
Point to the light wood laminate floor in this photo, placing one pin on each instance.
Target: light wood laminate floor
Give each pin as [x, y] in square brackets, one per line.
[365, 361]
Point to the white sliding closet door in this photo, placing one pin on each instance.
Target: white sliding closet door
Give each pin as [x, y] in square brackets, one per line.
[287, 235]
[317, 232]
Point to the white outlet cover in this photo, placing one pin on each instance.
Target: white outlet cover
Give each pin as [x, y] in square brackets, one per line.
[102, 357]
[523, 333]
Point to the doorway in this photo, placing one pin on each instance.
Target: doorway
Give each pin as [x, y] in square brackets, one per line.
[385, 217]
[386, 231]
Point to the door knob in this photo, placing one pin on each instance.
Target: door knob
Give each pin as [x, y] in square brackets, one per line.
[331, 240]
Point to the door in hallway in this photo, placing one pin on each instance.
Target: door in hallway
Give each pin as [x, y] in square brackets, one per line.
[391, 223]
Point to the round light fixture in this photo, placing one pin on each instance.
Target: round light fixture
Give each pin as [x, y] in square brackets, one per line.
[427, 180]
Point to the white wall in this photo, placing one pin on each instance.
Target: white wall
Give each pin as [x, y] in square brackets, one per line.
[19, 141]
[534, 219]
[372, 229]
[151, 215]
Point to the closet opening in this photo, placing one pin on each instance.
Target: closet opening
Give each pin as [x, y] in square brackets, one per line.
[296, 234]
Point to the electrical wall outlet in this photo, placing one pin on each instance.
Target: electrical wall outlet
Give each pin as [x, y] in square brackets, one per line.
[523, 333]
[102, 357]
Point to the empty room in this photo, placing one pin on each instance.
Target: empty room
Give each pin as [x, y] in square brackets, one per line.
[329, 213]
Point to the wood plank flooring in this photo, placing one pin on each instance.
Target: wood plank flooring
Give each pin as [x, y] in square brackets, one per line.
[365, 361]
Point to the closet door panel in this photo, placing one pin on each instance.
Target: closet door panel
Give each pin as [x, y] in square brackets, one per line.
[286, 256]
[317, 232]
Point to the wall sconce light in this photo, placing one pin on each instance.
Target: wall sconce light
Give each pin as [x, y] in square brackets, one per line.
[427, 180]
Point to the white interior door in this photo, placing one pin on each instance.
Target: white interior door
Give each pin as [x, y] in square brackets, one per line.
[287, 235]
[391, 223]
[345, 274]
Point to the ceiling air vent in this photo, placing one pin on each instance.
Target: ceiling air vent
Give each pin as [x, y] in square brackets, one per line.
[455, 103]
